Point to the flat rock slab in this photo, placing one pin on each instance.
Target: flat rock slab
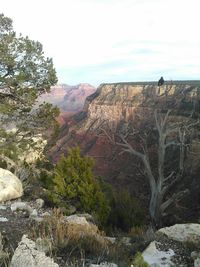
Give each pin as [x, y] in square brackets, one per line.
[3, 207]
[3, 219]
[182, 232]
[155, 257]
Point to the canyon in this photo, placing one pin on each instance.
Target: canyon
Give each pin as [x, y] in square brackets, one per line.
[69, 99]
[113, 108]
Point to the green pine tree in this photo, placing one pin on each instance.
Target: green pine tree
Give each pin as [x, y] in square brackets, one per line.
[25, 74]
[74, 184]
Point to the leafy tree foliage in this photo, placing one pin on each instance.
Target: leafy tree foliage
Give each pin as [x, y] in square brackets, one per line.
[25, 73]
[74, 184]
[125, 211]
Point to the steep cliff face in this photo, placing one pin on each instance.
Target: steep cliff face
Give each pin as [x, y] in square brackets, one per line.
[113, 103]
[109, 110]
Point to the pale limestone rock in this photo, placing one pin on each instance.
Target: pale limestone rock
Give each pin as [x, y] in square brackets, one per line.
[3, 219]
[10, 186]
[22, 206]
[39, 203]
[74, 219]
[157, 258]
[26, 255]
[197, 263]
[34, 214]
[182, 232]
[195, 255]
[43, 244]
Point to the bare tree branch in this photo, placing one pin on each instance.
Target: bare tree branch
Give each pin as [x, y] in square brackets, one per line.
[175, 197]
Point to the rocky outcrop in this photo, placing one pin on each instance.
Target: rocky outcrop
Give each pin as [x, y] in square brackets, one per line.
[155, 257]
[26, 254]
[23, 206]
[174, 246]
[10, 186]
[122, 102]
[112, 104]
[78, 220]
[108, 111]
[183, 232]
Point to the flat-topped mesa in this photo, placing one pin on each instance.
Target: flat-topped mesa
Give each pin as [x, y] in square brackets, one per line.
[116, 102]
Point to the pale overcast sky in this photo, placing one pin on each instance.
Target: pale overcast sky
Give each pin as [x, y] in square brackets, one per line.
[99, 41]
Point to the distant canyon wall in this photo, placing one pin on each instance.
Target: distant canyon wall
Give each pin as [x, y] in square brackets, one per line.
[69, 99]
[113, 103]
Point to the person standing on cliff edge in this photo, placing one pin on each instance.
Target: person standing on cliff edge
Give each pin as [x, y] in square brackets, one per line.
[161, 81]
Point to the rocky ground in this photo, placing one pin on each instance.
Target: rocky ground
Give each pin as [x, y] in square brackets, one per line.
[172, 246]
[178, 245]
[15, 219]
[32, 232]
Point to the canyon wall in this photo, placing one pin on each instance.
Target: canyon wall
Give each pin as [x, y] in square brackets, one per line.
[112, 108]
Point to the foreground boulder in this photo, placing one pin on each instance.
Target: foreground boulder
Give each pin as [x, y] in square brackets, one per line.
[10, 186]
[183, 232]
[174, 246]
[26, 255]
[155, 257]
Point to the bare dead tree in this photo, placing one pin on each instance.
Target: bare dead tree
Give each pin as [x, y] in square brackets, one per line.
[161, 181]
[173, 130]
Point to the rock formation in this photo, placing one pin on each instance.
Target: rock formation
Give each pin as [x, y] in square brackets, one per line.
[10, 186]
[109, 106]
[26, 254]
[109, 111]
[174, 246]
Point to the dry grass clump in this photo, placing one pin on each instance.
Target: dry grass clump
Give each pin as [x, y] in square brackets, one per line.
[4, 254]
[74, 242]
[69, 239]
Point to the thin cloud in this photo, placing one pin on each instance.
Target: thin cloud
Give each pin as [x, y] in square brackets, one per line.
[97, 40]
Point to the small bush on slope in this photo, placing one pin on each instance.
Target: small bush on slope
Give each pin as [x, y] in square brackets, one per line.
[74, 184]
[139, 261]
[125, 211]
